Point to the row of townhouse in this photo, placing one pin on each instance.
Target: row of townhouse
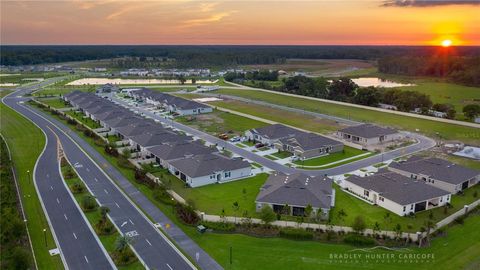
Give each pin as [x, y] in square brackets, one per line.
[173, 104]
[189, 160]
[302, 145]
[414, 185]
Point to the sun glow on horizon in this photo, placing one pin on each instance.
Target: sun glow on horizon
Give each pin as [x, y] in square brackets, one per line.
[446, 43]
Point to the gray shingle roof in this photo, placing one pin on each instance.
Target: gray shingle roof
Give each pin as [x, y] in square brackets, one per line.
[158, 137]
[176, 150]
[398, 188]
[177, 102]
[297, 189]
[437, 169]
[368, 131]
[276, 131]
[203, 165]
[309, 141]
[138, 128]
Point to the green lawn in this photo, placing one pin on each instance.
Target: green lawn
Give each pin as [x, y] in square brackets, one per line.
[282, 154]
[211, 199]
[347, 152]
[460, 248]
[55, 103]
[219, 122]
[26, 142]
[353, 207]
[428, 127]
[81, 117]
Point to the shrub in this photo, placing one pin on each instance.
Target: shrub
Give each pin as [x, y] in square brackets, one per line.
[124, 163]
[160, 194]
[88, 203]
[110, 149]
[77, 188]
[100, 142]
[186, 214]
[267, 215]
[358, 240]
[297, 234]
[219, 226]
[69, 173]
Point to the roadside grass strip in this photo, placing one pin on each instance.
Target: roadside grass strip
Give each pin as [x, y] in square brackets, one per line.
[26, 142]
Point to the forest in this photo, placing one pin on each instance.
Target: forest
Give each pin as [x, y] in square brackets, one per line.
[211, 56]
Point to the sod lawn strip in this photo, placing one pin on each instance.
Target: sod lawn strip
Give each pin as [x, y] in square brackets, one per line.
[435, 129]
[55, 103]
[85, 120]
[26, 142]
[347, 152]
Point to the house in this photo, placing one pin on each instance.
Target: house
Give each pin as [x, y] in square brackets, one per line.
[207, 169]
[308, 145]
[171, 151]
[368, 134]
[137, 128]
[108, 88]
[438, 173]
[396, 193]
[297, 191]
[157, 136]
[270, 134]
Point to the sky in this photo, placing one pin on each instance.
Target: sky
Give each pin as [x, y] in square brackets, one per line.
[267, 22]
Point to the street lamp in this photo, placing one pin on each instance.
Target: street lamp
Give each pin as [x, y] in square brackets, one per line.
[45, 236]
[28, 172]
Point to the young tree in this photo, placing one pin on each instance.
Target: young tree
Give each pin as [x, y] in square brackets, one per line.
[341, 215]
[122, 242]
[359, 224]
[398, 230]
[376, 228]
[267, 215]
[235, 208]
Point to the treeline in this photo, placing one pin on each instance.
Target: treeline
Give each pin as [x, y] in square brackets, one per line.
[458, 69]
[211, 56]
[14, 246]
[262, 75]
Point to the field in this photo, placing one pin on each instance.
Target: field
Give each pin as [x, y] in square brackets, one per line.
[277, 253]
[54, 103]
[219, 122]
[26, 142]
[441, 92]
[320, 67]
[431, 128]
[302, 121]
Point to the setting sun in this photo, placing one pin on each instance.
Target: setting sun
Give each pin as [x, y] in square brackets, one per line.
[446, 43]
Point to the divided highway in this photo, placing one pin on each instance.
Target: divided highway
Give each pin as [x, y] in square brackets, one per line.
[153, 248]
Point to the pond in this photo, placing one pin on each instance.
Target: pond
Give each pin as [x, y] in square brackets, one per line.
[378, 82]
[98, 81]
[469, 152]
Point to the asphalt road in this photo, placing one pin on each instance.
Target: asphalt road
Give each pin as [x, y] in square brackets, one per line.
[423, 143]
[78, 245]
[73, 235]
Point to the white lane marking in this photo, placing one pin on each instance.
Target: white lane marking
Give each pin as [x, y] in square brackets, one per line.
[65, 216]
[74, 235]
[148, 241]
[169, 266]
[88, 169]
[117, 205]
[51, 187]
[88, 262]
[131, 221]
[105, 191]
[96, 180]
[58, 201]
[123, 224]
[48, 175]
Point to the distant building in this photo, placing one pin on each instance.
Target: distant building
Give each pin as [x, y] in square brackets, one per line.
[297, 191]
[108, 88]
[368, 134]
[270, 134]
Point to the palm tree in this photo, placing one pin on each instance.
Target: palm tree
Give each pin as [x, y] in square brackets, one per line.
[122, 243]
